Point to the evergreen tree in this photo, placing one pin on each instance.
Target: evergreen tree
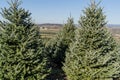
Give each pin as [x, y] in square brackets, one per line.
[21, 49]
[58, 45]
[93, 54]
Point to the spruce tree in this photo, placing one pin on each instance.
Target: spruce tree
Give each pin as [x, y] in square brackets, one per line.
[21, 49]
[59, 44]
[93, 54]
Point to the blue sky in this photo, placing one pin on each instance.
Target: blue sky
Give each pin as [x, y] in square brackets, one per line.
[57, 11]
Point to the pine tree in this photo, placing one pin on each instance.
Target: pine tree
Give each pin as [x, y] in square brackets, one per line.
[93, 54]
[58, 45]
[21, 49]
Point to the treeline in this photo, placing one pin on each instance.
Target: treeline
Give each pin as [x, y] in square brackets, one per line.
[88, 52]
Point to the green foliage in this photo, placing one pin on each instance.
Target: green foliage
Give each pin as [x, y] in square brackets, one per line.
[58, 45]
[93, 54]
[21, 49]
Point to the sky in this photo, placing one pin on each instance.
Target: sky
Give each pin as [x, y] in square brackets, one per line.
[57, 11]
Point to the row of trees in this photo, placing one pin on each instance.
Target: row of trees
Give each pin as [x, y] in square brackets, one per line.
[85, 53]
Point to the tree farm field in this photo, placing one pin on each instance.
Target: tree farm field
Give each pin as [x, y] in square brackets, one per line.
[85, 47]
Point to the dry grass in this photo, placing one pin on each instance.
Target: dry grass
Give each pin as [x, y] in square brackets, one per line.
[49, 33]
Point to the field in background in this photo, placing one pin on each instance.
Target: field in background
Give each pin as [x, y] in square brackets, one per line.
[115, 32]
[50, 30]
[48, 33]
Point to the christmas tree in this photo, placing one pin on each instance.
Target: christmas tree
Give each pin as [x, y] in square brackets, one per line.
[93, 54]
[21, 49]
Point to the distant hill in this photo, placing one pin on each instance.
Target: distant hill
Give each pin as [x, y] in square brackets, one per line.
[61, 25]
[113, 25]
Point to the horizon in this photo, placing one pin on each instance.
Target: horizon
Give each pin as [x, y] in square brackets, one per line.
[57, 12]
